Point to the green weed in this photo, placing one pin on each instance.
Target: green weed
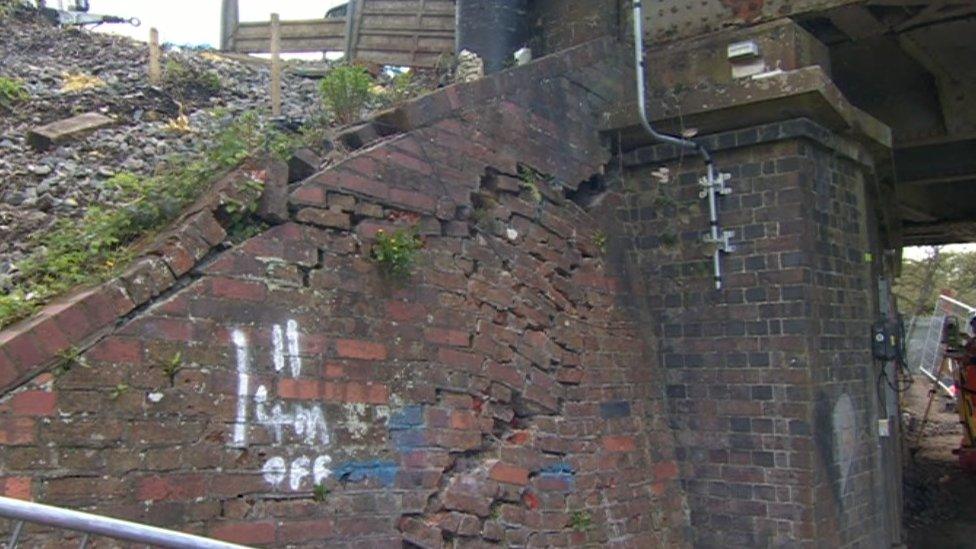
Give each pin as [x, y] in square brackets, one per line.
[12, 91]
[600, 240]
[530, 181]
[320, 493]
[346, 91]
[86, 251]
[185, 79]
[580, 521]
[118, 391]
[395, 253]
[173, 367]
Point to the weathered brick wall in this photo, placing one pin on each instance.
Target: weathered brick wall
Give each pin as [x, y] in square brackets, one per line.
[770, 382]
[565, 23]
[283, 392]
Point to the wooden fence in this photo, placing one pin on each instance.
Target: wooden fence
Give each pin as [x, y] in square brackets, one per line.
[414, 33]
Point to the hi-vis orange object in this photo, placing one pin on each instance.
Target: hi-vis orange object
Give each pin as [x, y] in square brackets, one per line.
[966, 391]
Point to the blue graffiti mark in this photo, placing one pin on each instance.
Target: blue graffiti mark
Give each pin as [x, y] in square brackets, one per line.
[557, 477]
[405, 441]
[358, 471]
[408, 417]
[406, 427]
[561, 468]
[615, 409]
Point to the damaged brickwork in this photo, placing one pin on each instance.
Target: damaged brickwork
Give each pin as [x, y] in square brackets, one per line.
[284, 392]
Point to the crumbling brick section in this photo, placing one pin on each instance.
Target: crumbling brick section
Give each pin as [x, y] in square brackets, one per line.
[770, 382]
[285, 392]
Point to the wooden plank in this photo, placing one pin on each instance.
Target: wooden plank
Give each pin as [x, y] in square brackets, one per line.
[45, 137]
[314, 28]
[402, 32]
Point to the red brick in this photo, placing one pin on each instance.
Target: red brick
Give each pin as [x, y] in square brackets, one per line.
[443, 336]
[310, 195]
[49, 338]
[117, 350]
[17, 431]
[364, 350]
[413, 200]
[305, 531]
[324, 218]
[24, 350]
[16, 487]
[468, 361]
[209, 228]
[8, 372]
[248, 533]
[665, 470]
[519, 438]
[301, 389]
[509, 474]
[570, 376]
[171, 488]
[377, 394]
[229, 288]
[402, 311]
[619, 443]
[408, 162]
[464, 420]
[177, 258]
[34, 403]
[506, 375]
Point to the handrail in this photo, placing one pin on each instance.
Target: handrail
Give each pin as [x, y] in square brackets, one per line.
[25, 511]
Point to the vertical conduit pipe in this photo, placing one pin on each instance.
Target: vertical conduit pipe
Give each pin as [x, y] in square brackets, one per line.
[640, 63]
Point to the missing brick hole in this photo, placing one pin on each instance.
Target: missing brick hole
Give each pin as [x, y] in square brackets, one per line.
[590, 193]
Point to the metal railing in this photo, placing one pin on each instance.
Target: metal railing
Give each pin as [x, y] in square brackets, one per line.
[93, 525]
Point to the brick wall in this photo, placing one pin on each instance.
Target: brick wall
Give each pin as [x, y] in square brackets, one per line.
[565, 23]
[770, 382]
[285, 392]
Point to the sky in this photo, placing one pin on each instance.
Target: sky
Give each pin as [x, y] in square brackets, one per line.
[197, 22]
[921, 252]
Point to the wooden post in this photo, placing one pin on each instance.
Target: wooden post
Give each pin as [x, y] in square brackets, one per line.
[230, 16]
[275, 65]
[155, 58]
[352, 9]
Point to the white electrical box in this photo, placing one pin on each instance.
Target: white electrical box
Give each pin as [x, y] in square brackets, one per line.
[740, 51]
[884, 428]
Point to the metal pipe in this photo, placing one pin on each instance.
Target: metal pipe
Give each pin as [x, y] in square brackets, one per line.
[640, 63]
[103, 526]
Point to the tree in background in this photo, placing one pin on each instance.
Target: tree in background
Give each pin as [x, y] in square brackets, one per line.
[921, 281]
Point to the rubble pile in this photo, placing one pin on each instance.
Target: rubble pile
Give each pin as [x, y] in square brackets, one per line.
[66, 72]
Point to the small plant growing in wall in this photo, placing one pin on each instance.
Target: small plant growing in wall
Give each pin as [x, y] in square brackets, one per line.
[530, 181]
[320, 493]
[600, 241]
[118, 391]
[580, 521]
[345, 92]
[172, 367]
[395, 252]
